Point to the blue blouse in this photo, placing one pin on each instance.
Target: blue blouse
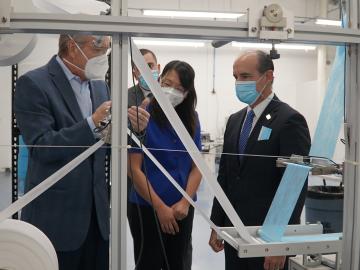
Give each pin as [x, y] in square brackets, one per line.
[178, 164]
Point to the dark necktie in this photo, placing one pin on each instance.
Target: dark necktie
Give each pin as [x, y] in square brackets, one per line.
[245, 132]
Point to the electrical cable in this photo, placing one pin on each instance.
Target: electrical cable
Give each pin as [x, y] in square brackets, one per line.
[147, 181]
[172, 150]
[323, 158]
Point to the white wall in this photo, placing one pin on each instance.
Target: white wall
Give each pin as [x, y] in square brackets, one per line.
[291, 70]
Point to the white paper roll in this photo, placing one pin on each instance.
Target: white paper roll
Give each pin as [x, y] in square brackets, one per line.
[24, 247]
[15, 47]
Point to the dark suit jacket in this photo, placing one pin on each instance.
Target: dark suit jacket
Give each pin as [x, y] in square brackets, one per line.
[251, 184]
[47, 113]
[135, 96]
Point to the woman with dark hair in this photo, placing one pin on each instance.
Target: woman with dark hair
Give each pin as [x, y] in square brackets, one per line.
[160, 218]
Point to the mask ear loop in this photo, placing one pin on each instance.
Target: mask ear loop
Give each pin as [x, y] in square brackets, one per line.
[262, 90]
[67, 61]
[77, 45]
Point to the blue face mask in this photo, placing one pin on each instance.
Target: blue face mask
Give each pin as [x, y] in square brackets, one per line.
[246, 91]
[143, 83]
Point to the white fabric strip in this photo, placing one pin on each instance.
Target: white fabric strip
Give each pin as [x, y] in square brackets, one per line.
[48, 182]
[176, 185]
[23, 246]
[189, 144]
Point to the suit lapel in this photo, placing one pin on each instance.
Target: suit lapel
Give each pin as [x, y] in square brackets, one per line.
[64, 87]
[95, 97]
[263, 121]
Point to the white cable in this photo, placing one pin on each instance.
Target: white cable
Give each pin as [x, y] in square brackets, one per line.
[189, 144]
[177, 186]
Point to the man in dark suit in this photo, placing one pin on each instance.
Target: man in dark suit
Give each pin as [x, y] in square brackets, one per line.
[57, 108]
[267, 126]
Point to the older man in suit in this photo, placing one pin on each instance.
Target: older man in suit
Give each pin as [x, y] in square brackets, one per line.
[58, 106]
[250, 182]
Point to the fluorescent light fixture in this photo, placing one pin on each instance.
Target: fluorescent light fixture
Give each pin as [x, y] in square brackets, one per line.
[328, 22]
[195, 44]
[191, 14]
[277, 46]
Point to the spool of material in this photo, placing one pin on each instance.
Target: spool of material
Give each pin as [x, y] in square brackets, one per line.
[24, 247]
[15, 47]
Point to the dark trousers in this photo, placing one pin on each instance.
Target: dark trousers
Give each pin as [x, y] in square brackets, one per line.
[147, 246]
[93, 253]
[233, 262]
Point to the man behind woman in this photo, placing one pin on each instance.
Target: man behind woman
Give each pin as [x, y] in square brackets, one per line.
[160, 218]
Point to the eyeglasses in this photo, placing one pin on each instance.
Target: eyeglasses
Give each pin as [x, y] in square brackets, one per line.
[167, 83]
[99, 48]
[97, 45]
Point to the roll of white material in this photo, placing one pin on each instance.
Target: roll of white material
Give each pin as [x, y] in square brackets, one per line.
[24, 247]
[15, 47]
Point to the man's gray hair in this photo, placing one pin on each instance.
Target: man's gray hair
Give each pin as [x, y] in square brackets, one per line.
[79, 39]
[64, 42]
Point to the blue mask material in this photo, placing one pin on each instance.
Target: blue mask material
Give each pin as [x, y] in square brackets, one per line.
[143, 83]
[246, 91]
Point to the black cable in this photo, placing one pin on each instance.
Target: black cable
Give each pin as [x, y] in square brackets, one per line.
[141, 139]
[324, 158]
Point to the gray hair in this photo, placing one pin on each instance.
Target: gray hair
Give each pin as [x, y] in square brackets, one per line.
[79, 39]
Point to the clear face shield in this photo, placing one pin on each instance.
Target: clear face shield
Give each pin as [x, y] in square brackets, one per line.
[97, 66]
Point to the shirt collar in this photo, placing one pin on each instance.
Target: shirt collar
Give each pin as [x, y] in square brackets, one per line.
[259, 109]
[69, 75]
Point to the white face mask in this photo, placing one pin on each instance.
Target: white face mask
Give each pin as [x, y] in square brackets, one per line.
[175, 96]
[95, 68]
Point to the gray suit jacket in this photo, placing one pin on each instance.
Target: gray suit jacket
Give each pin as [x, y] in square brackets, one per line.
[47, 113]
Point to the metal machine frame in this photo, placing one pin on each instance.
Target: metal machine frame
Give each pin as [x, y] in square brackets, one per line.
[120, 26]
